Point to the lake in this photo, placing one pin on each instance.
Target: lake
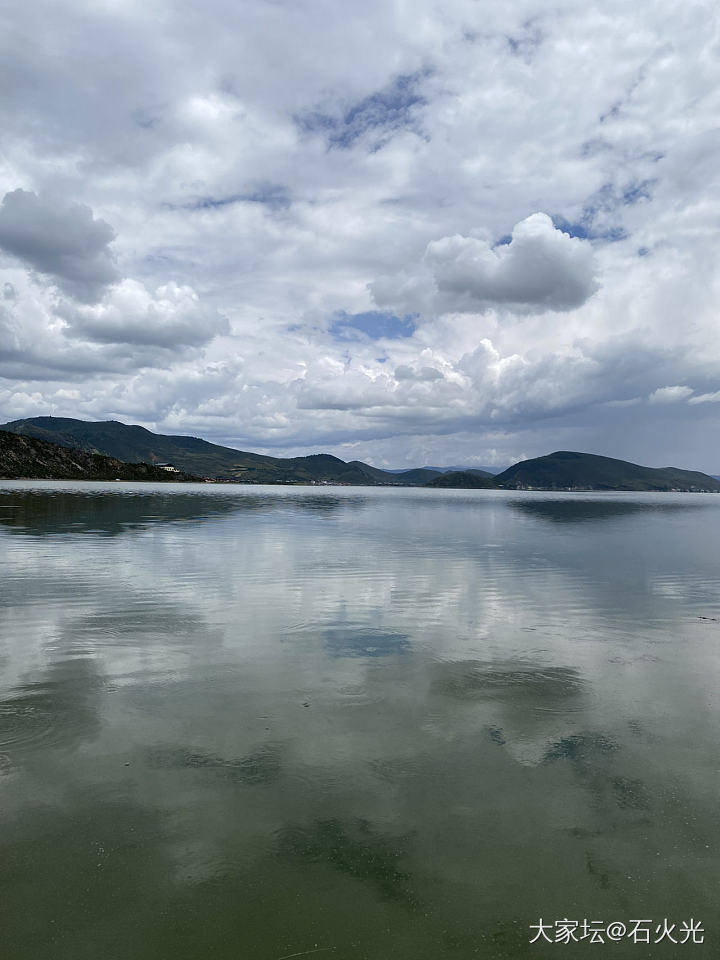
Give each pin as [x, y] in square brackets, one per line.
[265, 722]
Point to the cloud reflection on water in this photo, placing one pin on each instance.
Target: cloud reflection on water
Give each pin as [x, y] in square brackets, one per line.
[360, 716]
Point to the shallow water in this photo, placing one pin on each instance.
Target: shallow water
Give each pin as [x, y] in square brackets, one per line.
[262, 722]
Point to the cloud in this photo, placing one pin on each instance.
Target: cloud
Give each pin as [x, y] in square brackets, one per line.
[404, 372]
[670, 394]
[60, 239]
[541, 268]
[266, 162]
[173, 318]
[706, 398]
[43, 340]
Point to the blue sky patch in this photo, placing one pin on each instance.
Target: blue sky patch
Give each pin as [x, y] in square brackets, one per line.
[578, 229]
[375, 324]
[606, 201]
[635, 192]
[586, 229]
[383, 112]
[273, 195]
[601, 208]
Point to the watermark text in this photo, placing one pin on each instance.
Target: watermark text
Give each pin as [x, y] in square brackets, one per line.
[601, 931]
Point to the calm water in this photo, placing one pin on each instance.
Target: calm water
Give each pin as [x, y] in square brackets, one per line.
[346, 723]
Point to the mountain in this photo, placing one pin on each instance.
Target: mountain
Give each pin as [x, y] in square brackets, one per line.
[567, 470]
[28, 458]
[134, 444]
[488, 471]
[403, 478]
[465, 479]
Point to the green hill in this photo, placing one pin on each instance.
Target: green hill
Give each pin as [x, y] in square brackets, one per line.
[486, 471]
[134, 444]
[567, 470]
[27, 458]
[564, 470]
[464, 479]
[415, 477]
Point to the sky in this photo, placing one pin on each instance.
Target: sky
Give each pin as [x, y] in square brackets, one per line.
[466, 232]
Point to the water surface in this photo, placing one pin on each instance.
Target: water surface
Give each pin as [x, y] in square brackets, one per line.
[259, 722]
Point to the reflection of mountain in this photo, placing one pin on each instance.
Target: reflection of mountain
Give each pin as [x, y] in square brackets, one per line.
[588, 511]
[39, 512]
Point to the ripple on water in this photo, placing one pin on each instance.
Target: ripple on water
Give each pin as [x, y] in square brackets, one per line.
[59, 711]
[261, 767]
[23, 721]
[365, 643]
[517, 682]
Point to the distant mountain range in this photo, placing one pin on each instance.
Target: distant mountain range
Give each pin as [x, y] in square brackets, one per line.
[458, 468]
[134, 445]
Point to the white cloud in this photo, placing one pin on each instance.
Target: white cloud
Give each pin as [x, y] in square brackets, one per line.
[42, 339]
[266, 163]
[541, 268]
[404, 372]
[670, 394]
[706, 398]
[172, 318]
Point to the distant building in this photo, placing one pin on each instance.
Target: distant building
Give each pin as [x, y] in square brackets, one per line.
[170, 467]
